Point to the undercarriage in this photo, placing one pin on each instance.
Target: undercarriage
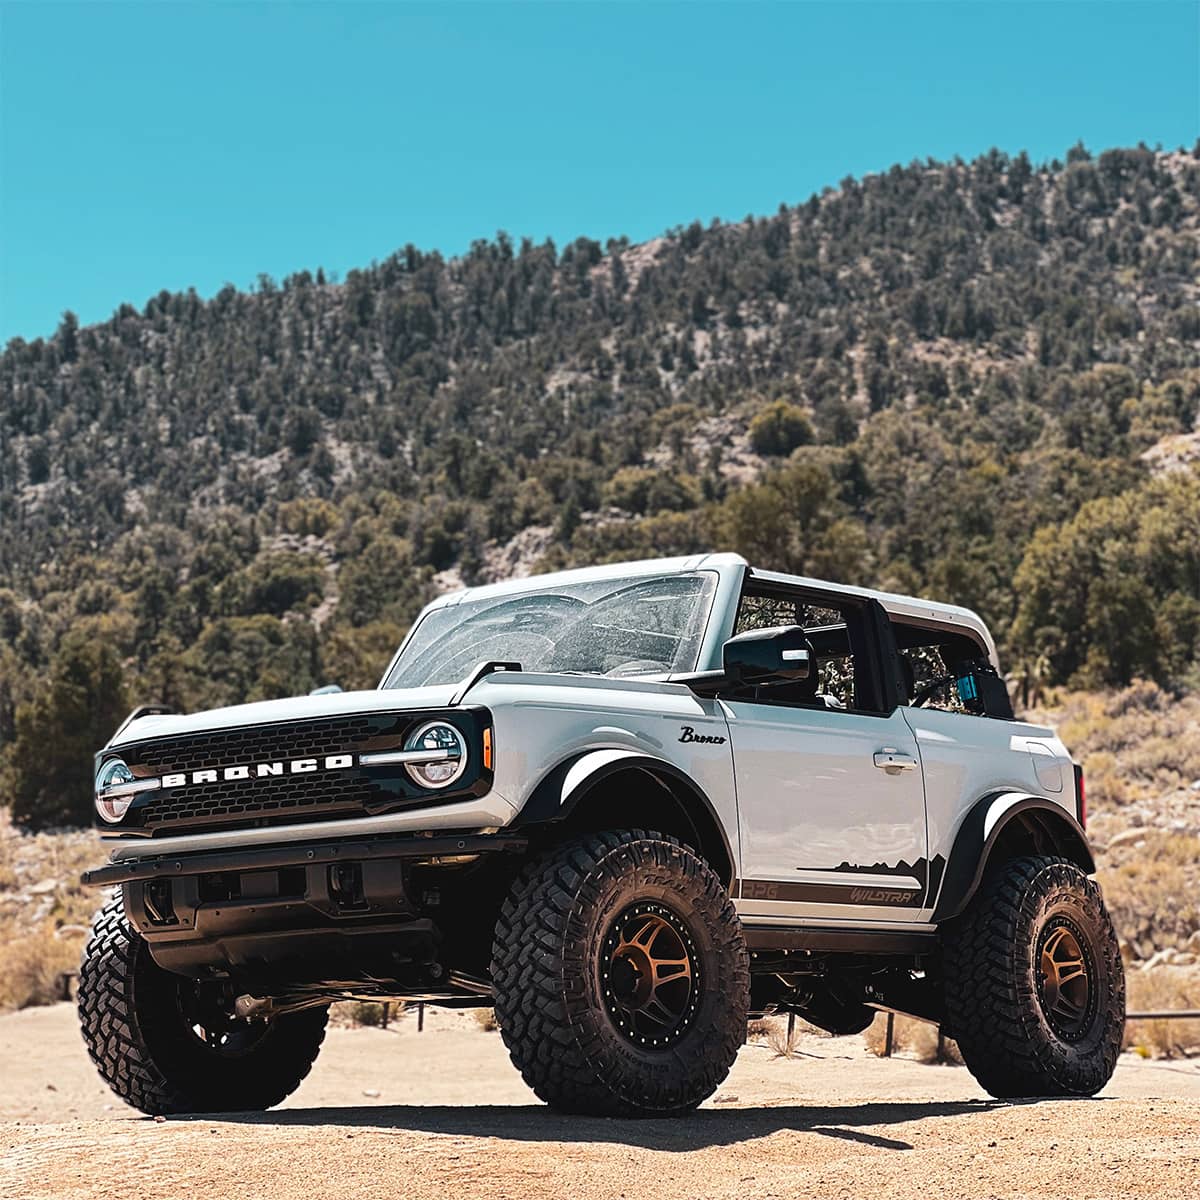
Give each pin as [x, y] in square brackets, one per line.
[282, 929]
[841, 993]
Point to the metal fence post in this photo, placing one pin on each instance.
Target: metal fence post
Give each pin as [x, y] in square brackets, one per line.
[890, 1038]
[1173, 1014]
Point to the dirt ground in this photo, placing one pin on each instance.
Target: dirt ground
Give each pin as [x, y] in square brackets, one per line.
[442, 1115]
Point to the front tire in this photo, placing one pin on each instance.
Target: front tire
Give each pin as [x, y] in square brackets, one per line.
[1035, 988]
[621, 976]
[165, 1049]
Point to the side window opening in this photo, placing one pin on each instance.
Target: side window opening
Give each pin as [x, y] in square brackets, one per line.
[949, 672]
[832, 634]
[926, 667]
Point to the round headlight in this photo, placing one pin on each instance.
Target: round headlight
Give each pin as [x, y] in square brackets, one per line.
[111, 804]
[443, 755]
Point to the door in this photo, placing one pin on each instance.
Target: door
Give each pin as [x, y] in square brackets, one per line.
[831, 810]
[831, 802]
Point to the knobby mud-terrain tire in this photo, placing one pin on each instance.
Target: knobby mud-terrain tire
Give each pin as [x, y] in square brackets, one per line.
[146, 1035]
[621, 976]
[1035, 988]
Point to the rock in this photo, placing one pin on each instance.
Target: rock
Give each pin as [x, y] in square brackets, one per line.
[44, 888]
[1169, 957]
[1125, 837]
[1193, 943]
[372, 1093]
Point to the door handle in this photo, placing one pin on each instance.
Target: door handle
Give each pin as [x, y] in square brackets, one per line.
[893, 762]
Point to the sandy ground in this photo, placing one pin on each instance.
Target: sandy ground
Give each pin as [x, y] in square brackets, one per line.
[442, 1114]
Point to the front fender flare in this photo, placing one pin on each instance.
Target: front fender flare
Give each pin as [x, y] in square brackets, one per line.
[982, 829]
[568, 783]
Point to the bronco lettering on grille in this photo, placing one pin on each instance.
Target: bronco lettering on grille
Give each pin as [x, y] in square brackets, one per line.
[297, 766]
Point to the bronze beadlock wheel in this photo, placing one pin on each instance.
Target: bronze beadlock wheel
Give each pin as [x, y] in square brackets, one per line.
[621, 976]
[218, 1031]
[1064, 980]
[1034, 985]
[166, 1045]
[649, 975]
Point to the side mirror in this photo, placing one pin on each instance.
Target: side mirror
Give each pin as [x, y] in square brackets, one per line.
[328, 690]
[759, 655]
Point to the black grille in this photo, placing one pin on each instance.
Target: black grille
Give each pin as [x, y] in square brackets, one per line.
[272, 799]
[276, 799]
[269, 743]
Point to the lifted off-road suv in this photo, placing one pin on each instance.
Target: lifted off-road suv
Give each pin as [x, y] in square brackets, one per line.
[627, 806]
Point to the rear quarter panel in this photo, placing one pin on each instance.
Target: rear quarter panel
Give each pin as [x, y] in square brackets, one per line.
[964, 757]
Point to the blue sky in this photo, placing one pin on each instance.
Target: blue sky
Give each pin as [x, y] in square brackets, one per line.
[170, 145]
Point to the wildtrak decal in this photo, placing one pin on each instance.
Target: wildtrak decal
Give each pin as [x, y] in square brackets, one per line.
[879, 896]
[825, 893]
[689, 734]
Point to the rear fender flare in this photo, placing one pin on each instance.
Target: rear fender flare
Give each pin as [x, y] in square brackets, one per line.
[1046, 822]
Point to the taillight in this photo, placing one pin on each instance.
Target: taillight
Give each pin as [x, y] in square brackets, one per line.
[1080, 796]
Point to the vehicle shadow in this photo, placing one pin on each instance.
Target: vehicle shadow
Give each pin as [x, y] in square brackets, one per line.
[706, 1128]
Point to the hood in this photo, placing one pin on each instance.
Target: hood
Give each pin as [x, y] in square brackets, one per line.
[297, 708]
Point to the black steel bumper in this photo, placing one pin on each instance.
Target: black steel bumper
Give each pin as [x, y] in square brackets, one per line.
[343, 909]
[300, 854]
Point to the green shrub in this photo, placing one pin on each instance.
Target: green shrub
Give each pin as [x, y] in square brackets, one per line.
[780, 428]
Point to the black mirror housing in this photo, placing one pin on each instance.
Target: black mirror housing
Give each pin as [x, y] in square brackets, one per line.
[760, 655]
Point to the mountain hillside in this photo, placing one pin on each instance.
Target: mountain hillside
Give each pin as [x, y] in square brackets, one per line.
[977, 380]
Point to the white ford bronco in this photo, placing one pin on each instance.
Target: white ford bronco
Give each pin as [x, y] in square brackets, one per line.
[629, 807]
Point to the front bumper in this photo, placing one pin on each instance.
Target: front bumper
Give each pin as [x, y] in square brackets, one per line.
[305, 854]
[274, 916]
[490, 811]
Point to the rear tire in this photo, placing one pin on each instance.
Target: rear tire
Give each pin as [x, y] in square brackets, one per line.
[1035, 988]
[621, 976]
[163, 1050]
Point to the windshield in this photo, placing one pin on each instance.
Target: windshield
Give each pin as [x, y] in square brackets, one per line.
[638, 626]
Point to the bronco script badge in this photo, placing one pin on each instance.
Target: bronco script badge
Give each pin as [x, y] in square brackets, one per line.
[690, 735]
